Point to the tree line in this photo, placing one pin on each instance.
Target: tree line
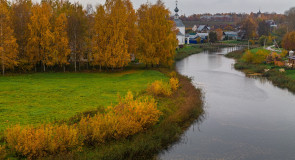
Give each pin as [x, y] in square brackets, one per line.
[59, 35]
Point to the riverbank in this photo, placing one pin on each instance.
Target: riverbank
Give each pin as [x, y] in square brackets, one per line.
[179, 111]
[187, 50]
[285, 80]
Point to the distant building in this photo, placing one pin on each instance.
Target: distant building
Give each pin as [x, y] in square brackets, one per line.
[203, 36]
[231, 35]
[180, 26]
[203, 29]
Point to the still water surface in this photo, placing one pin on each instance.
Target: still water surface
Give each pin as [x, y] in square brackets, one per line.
[245, 119]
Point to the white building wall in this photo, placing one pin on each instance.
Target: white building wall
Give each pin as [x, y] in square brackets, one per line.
[181, 40]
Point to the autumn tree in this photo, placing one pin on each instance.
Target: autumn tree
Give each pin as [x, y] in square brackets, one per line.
[61, 49]
[111, 39]
[132, 32]
[249, 26]
[21, 13]
[290, 19]
[263, 28]
[157, 35]
[289, 41]
[8, 45]
[40, 43]
[77, 31]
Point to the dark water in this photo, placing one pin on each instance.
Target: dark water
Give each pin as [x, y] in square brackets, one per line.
[245, 119]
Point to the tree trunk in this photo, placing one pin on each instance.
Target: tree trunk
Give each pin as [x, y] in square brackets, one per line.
[64, 68]
[44, 67]
[99, 68]
[3, 69]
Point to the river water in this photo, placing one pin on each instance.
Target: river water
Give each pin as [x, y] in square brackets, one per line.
[245, 118]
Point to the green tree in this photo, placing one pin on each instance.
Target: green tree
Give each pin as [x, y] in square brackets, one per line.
[213, 37]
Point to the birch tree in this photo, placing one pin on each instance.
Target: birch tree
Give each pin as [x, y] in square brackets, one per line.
[8, 45]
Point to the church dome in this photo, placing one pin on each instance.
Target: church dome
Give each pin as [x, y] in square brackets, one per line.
[176, 9]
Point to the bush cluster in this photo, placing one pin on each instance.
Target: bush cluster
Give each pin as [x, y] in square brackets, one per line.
[33, 142]
[160, 88]
[127, 118]
[255, 58]
[2, 152]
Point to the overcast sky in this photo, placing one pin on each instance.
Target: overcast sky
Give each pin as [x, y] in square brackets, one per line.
[189, 7]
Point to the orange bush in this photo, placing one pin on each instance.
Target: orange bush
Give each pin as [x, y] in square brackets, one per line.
[125, 119]
[174, 83]
[39, 142]
[2, 152]
[279, 63]
[159, 88]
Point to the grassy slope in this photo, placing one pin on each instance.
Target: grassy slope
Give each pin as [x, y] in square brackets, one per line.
[187, 51]
[34, 98]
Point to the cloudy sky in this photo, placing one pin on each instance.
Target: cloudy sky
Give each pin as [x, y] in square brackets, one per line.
[189, 7]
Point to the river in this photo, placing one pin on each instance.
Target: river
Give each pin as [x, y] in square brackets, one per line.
[245, 118]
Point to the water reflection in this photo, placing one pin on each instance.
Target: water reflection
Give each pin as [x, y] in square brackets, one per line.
[246, 118]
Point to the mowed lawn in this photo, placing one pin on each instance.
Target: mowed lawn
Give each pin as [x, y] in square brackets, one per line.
[32, 99]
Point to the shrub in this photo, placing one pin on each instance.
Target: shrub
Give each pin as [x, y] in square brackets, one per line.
[42, 141]
[159, 88]
[248, 57]
[259, 57]
[127, 118]
[174, 83]
[284, 53]
[2, 152]
[173, 74]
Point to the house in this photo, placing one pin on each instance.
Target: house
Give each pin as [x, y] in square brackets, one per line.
[203, 29]
[180, 26]
[203, 36]
[231, 35]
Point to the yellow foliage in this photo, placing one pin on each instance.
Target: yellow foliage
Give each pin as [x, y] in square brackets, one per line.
[248, 57]
[157, 35]
[38, 142]
[8, 45]
[174, 83]
[125, 119]
[159, 88]
[284, 53]
[2, 152]
[173, 74]
[260, 57]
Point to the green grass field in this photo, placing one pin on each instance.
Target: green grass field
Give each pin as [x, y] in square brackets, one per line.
[45, 97]
[291, 74]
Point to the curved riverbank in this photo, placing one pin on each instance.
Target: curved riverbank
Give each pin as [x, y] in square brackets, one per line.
[273, 74]
[180, 110]
[245, 118]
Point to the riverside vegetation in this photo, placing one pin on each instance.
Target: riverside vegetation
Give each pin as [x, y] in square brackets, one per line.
[135, 127]
[254, 61]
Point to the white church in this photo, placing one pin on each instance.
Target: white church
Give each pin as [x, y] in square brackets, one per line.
[180, 26]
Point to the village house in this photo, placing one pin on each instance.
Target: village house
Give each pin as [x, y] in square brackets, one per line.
[230, 35]
[203, 29]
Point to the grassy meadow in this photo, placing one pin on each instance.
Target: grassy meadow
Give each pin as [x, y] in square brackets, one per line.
[33, 99]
